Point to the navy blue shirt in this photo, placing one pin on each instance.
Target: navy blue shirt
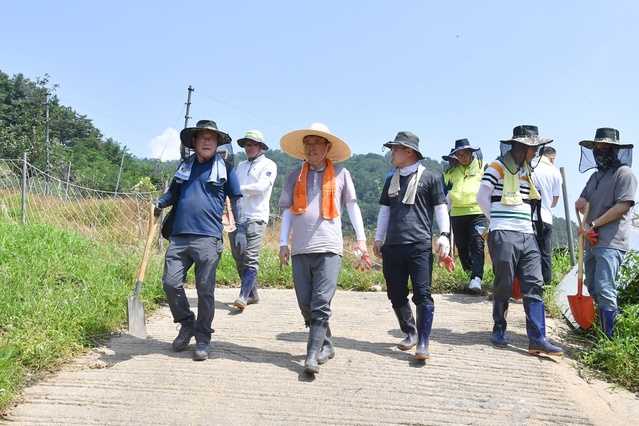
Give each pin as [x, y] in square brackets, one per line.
[201, 203]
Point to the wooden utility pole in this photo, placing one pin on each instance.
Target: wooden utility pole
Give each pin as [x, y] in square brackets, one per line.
[184, 151]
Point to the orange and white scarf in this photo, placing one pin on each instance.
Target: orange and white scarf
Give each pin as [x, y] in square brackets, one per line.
[329, 209]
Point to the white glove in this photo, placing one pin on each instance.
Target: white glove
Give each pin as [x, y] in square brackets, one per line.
[443, 246]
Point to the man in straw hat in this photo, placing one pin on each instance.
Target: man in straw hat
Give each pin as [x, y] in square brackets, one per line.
[410, 200]
[312, 199]
[611, 193]
[505, 197]
[463, 182]
[198, 193]
[256, 175]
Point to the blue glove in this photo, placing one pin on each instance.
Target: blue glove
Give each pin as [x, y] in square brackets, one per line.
[240, 241]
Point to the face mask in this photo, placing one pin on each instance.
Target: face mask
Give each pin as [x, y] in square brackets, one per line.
[605, 159]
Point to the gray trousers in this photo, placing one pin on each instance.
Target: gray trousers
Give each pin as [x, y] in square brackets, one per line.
[254, 236]
[182, 253]
[315, 280]
[515, 254]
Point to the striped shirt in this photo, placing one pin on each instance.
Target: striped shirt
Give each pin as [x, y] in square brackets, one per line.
[507, 217]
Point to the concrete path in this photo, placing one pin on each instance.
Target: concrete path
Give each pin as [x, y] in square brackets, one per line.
[255, 374]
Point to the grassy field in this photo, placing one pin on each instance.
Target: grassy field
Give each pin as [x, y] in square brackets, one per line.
[60, 293]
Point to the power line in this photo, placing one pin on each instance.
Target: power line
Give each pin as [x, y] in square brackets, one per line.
[244, 111]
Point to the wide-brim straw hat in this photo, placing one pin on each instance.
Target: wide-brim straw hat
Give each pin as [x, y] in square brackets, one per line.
[528, 135]
[292, 143]
[605, 135]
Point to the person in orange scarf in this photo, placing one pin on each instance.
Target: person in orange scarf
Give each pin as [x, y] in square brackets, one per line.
[312, 199]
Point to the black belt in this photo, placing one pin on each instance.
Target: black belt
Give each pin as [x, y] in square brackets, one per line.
[497, 199]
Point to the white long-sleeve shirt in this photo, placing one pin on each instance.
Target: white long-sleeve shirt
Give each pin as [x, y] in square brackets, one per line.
[256, 182]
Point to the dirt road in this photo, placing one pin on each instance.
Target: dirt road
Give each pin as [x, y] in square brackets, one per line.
[255, 374]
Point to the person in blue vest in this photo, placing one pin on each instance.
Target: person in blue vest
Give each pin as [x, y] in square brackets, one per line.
[463, 181]
[198, 194]
[611, 194]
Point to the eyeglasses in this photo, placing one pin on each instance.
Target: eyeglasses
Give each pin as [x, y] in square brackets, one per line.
[205, 139]
[398, 148]
[314, 144]
[250, 145]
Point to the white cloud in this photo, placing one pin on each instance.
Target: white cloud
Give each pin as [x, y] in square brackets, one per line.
[166, 146]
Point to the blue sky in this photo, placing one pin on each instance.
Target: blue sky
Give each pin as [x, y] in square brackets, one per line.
[444, 70]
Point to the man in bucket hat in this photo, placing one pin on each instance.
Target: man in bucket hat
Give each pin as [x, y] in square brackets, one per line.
[198, 192]
[611, 194]
[410, 200]
[256, 175]
[504, 196]
[312, 199]
[462, 182]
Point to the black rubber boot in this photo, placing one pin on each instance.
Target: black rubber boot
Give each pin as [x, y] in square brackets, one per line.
[248, 277]
[407, 325]
[536, 329]
[425, 315]
[316, 337]
[500, 311]
[328, 351]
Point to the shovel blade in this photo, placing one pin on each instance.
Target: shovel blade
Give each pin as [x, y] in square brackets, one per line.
[135, 317]
[583, 310]
[516, 290]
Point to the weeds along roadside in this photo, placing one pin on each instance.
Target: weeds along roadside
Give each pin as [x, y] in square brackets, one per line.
[62, 292]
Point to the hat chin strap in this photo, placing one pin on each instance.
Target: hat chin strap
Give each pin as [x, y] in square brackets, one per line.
[320, 160]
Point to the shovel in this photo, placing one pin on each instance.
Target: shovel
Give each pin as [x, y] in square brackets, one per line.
[582, 307]
[135, 308]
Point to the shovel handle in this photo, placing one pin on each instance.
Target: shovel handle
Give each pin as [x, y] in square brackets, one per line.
[580, 262]
[147, 247]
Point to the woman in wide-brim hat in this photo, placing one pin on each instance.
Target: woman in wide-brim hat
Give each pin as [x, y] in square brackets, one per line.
[292, 143]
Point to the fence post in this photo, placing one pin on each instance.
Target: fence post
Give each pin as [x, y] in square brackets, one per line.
[24, 187]
[564, 188]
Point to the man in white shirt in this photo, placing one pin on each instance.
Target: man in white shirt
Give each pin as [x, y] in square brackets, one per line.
[548, 180]
[256, 176]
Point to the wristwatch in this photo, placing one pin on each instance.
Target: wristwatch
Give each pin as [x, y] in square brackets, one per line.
[591, 225]
[444, 234]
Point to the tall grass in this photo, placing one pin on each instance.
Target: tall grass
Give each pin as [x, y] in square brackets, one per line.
[59, 292]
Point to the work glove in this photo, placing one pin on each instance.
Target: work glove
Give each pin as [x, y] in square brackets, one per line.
[158, 210]
[443, 246]
[240, 242]
[593, 236]
[362, 261]
[447, 261]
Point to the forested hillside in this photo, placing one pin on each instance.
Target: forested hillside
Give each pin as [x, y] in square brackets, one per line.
[76, 150]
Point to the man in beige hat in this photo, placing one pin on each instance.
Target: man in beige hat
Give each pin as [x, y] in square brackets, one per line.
[198, 194]
[312, 199]
[256, 175]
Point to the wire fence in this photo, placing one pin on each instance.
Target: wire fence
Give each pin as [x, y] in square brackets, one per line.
[28, 195]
